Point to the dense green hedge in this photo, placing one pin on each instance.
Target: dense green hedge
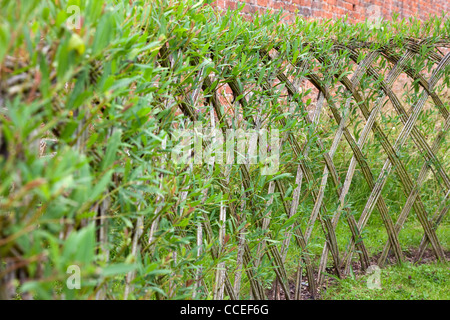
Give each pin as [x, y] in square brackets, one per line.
[86, 116]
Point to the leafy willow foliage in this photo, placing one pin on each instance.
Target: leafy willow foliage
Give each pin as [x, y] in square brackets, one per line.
[86, 121]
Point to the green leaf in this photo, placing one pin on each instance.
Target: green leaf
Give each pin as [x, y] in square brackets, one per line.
[111, 150]
[281, 176]
[118, 268]
[77, 44]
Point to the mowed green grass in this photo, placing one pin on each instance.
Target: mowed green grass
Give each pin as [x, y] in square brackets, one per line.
[409, 281]
[430, 280]
[406, 282]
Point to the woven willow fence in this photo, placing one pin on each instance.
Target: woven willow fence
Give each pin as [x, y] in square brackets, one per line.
[158, 229]
[410, 186]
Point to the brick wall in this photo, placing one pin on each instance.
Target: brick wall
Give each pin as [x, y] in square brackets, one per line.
[357, 10]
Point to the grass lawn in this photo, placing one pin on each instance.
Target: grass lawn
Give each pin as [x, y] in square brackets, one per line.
[428, 280]
[406, 282]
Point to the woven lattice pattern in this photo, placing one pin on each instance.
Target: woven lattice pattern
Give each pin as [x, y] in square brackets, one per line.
[369, 111]
[94, 186]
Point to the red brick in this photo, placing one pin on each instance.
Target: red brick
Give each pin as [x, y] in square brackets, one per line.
[230, 4]
[357, 10]
[263, 3]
